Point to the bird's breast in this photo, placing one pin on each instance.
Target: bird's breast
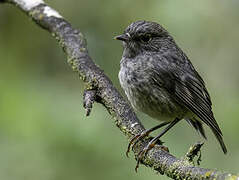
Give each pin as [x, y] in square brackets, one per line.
[146, 96]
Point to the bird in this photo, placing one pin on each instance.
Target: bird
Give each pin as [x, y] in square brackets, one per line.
[159, 80]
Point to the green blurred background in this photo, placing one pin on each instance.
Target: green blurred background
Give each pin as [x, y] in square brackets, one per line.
[44, 133]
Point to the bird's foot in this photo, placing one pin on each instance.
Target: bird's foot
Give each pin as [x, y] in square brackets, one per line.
[143, 134]
[145, 150]
[135, 140]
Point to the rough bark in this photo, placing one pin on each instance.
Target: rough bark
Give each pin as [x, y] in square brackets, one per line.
[99, 88]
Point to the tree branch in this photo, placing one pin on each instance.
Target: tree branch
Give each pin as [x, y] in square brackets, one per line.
[100, 89]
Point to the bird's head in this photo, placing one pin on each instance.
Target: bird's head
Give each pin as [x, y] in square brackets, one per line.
[143, 36]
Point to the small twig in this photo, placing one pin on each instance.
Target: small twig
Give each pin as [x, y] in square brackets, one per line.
[194, 150]
[89, 97]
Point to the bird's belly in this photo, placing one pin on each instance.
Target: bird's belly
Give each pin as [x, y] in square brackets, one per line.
[153, 101]
[156, 104]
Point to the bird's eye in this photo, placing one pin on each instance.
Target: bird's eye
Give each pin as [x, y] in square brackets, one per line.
[145, 38]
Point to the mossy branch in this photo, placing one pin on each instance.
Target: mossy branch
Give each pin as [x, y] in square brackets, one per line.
[99, 85]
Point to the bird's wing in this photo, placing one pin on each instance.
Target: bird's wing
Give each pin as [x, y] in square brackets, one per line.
[185, 85]
[205, 92]
[188, 89]
[191, 92]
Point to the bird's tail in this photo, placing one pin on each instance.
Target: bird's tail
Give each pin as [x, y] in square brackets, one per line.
[199, 127]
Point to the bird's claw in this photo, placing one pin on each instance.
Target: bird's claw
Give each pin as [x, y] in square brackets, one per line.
[144, 152]
[130, 143]
[135, 140]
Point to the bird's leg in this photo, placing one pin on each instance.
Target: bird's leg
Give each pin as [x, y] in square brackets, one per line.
[152, 143]
[143, 134]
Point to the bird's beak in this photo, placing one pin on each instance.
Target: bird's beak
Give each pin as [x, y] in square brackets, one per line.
[122, 37]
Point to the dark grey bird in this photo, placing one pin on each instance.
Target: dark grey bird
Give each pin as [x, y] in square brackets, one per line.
[159, 80]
